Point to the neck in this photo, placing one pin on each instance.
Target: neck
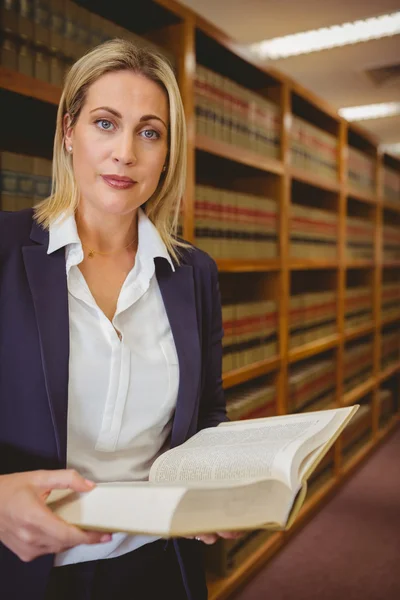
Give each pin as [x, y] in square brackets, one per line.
[107, 233]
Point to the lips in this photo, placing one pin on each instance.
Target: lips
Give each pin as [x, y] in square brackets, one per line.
[118, 182]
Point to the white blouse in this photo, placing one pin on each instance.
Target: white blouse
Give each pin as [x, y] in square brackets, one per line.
[122, 388]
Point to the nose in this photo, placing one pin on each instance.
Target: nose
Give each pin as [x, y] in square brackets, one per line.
[124, 150]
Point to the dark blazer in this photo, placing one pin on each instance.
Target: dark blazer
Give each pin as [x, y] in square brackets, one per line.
[34, 356]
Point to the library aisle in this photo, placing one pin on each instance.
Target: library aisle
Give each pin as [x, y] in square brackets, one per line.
[300, 208]
[350, 549]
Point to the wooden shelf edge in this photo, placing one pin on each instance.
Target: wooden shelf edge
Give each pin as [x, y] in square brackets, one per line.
[236, 266]
[29, 86]
[362, 389]
[359, 195]
[389, 320]
[239, 155]
[387, 264]
[312, 348]
[312, 503]
[302, 264]
[357, 458]
[359, 264]
[393, 423]
[389, 205]
[352, 334]
[222, 588]
[392, 370]
[314, 180]
[250, 372]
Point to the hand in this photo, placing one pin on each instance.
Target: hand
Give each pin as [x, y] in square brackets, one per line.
[27, 526]
[211, 538]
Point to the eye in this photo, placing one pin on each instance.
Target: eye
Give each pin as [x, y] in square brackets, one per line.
[150, 134]
[105, 124]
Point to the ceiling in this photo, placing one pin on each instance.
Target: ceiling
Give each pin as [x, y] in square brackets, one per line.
[339, 76]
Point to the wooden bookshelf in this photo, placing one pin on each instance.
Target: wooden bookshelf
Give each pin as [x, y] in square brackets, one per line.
[358, 392]
[352, 334]
[359, 264]
[303, 264]
[355, 460]
[313, 348]
[360, 195]
[239, 155]
[390, 320]
[315, 180]
[28, 86]
[391, 206]
[242, 266]
[192, 41]
[223, 588]
[250, 372]
[389, 372]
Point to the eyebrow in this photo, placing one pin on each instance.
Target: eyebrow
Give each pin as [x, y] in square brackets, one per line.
[119, 116]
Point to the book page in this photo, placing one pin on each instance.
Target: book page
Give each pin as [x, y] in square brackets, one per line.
[176, 510]
[260, 449]
[228, 507]
[304, 457]
[133, 507]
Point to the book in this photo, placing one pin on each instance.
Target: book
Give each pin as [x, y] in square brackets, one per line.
[241, 475]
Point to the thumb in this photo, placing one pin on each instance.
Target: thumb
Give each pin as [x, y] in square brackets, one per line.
[63, 479]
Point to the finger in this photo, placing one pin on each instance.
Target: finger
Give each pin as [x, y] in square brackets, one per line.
[230, 535]
[53, 531]
[63, 479]
[209, 538]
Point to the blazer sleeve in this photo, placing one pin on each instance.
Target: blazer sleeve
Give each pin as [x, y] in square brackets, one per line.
[212, 410]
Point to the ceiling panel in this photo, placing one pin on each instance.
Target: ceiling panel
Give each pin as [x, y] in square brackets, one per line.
[339, 75]
[250, 21]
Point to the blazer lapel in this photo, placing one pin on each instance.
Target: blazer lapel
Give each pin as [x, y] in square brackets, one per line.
[48, 284]
[178, 293]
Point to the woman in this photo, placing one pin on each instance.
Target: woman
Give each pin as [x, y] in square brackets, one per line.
[110, 335]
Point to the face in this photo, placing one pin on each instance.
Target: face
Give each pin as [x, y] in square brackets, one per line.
[119, 142]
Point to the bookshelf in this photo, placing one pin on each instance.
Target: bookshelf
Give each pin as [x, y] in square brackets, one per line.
[330, 192]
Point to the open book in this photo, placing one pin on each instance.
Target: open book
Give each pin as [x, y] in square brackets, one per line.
[237, 476]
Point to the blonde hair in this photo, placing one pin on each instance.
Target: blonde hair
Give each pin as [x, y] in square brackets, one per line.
[116, 55]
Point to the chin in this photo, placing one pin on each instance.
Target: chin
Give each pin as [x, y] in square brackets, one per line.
[117, 206]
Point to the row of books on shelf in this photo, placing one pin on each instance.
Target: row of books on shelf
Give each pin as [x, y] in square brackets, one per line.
[250, 333]
[391, 242]
[251, 328]
[358, 306]
[243, 226]
[357, 363]
[312, 316]
[24, 180]
[390, 347]
[390, 300]
[313, 149]
[359, 239]
[311, 385]
[391, 184]
[233, 225]
[33, 62]
[60, 27]
[251, 400]
[313, 232]
[226, 556]
[361, 170]
[230, 113]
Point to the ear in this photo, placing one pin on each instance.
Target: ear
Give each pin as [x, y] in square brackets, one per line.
[68, 132]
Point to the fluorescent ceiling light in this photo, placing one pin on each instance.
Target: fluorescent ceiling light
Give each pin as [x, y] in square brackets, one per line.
[328, 37]
[370, 111]
[391, 148]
